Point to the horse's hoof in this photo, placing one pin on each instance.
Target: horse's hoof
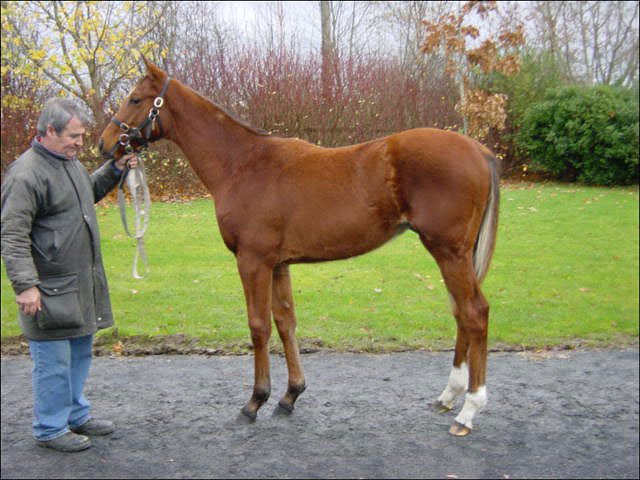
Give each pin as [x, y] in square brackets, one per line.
[247, 416]
[282, 409]
[459, 430]
[440, 407]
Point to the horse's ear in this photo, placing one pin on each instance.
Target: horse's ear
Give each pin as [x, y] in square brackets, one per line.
[152, 70]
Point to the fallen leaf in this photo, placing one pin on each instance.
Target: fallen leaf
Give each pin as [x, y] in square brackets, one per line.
[117, 348]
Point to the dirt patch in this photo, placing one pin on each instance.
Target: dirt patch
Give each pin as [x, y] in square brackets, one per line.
[143, 345]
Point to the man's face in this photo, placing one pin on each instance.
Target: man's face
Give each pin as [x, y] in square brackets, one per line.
[70, 140]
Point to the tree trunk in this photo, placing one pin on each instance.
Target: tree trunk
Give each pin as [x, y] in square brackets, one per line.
[327, 51]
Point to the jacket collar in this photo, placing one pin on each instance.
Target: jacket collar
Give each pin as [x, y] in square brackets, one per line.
[48, 154]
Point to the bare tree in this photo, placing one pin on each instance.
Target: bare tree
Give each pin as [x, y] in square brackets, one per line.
[591, 41]
[327, 50]
[202, 46]
[403, 22]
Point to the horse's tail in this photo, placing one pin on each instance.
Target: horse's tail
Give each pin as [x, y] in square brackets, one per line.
[486, 240]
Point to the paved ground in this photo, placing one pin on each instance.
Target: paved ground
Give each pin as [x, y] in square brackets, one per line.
[552, 415]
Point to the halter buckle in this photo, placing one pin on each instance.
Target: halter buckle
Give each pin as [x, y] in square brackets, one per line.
[158, 102]
[124, 139]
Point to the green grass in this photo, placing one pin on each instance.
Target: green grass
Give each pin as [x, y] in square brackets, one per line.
[565, 272]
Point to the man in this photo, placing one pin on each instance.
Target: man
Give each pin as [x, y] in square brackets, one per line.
[51, 250]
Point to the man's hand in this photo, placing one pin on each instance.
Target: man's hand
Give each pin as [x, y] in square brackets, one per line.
[129, 158]
[29, 301]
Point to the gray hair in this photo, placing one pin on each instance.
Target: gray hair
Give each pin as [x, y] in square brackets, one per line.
[57, 112]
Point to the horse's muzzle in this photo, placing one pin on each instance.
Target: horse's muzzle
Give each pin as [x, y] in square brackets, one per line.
[105, 154]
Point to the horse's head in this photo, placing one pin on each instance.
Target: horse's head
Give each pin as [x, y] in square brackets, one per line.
[141, 118]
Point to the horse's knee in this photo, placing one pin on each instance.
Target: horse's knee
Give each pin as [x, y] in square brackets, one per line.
[260, 332]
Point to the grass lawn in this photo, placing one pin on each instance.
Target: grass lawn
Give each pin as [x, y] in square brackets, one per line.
[565, 272]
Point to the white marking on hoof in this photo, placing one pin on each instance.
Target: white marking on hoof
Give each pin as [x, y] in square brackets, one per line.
[456, 385]
[473, 403]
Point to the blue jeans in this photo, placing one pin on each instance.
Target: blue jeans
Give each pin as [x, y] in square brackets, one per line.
[60, 369]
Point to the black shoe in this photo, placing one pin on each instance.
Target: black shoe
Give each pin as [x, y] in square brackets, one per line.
[69, 442]
[95, 427]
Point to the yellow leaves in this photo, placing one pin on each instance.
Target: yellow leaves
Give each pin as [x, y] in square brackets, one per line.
[72, 39]
[12, 102]
[37, 55]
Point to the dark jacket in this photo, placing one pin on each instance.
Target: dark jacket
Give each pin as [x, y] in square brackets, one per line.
[50, 238]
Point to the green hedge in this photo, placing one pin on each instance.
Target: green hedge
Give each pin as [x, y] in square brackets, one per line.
[589, 134]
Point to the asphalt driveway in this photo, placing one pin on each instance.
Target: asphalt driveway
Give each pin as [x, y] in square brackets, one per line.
[568, 414]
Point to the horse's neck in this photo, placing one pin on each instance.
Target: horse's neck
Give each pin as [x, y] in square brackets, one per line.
[213, 143]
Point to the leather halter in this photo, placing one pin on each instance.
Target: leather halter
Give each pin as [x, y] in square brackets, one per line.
[129, 133]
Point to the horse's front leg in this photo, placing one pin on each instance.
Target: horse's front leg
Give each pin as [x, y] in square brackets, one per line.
[285, 319]
[256, 278]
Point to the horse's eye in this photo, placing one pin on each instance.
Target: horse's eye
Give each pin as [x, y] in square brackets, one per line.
[135, 101]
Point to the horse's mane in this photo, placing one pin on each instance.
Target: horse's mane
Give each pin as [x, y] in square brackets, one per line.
[240, 121]
[231, 115]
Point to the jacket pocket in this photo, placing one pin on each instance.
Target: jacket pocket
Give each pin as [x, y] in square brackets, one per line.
[60, 303]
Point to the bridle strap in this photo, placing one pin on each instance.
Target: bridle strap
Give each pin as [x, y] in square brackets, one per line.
[145, 127]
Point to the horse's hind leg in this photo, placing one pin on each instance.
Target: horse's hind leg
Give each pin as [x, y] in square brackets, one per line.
[285, 319]
[472, 313]
[458, 381]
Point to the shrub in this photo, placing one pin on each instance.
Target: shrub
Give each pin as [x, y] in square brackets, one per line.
[589, 134]
[538, 73]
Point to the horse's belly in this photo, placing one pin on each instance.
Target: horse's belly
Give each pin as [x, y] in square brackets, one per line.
[345, 233]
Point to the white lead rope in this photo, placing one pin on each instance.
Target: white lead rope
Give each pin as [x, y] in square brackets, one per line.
[141, 202]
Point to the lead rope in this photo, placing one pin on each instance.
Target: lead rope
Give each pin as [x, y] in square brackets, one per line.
[141, 201]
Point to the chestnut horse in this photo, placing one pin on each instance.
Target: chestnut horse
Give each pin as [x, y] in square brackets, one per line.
[280, 201]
